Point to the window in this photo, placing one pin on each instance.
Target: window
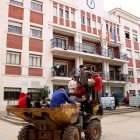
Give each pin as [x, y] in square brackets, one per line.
[127, 35]
[67, 14]
[137, 56]
[118, 30]
[35, 32]
[35, 60]
[129, 53]
[135, 38]
[11, 93]
[88, 22]
[110, 52]
[60, 68]
[138, 73]
[37, 6]
[82, 20]
[88, 47]
[99, 25]
[60, 12]
[111, 28]
[94, 23]
[130, 72]
[17, 2]
[59, 42]
[90, 68]
[55, 11]
[13, 58]
[14, 27]
[72, 16]
[132, 92]
[34, 92]
[107, 27]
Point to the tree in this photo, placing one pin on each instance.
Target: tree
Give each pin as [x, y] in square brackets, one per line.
[44, 92]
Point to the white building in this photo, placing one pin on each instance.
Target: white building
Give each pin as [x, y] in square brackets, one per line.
[42, 41]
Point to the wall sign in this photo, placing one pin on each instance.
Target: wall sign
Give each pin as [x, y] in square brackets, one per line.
[91, 4]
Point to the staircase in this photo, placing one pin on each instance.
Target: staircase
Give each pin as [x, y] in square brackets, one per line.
[13, 119]
[121, 110]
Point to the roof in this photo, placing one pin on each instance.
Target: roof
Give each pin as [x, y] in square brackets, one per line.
[123, 13]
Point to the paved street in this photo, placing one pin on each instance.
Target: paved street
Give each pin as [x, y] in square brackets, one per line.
[117, 127]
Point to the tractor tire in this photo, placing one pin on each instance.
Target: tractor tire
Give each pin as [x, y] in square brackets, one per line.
[24, 132]
[94, 130]
[70, 133]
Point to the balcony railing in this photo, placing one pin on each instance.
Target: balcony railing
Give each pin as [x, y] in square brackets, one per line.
[60, 73]
[105, 75]
[118, 76]
[79, 47]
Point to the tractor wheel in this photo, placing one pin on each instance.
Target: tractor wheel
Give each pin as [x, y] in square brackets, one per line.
[70, 133]
[24, 132]
[94, 130]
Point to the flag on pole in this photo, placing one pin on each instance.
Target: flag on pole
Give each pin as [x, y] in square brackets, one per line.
[114, 37]
[108, 37]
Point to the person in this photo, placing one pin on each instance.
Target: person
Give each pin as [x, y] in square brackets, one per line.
[79, 91]
[60, 97]
[97, 81]
[22, 101]
[83, 78]
[85, 111]
[28, 100]
[86, 106]
[116, 97]
[44, 103]
[126, 99]
[37, 104]
[72, 86]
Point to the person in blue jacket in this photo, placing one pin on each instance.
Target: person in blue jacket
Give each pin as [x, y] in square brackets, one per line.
[60, 97]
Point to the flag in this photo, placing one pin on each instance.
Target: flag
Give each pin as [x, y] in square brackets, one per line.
[108, 37]
[114, 37]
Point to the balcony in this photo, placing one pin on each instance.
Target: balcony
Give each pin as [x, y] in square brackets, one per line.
[96, 50]
[60, 71]
[106, 76]
[118, 77]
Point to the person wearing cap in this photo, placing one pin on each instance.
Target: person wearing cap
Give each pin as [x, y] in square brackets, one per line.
[97, 81]
[60, 97]
[72, 86]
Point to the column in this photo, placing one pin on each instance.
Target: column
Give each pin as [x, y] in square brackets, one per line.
[77, 64]
[58, 21]
[70, 16]
[124, 68]
[64, 15]
[78, 41]
[26, 35]
[48, 57]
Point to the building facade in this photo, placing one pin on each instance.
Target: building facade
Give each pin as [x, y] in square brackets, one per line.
[45, 41]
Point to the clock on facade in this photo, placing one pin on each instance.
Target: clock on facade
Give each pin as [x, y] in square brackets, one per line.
[91, 4]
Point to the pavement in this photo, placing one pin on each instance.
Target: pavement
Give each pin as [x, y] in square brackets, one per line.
[116, 127]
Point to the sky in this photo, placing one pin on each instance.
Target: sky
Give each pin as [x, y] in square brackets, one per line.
[131, 6]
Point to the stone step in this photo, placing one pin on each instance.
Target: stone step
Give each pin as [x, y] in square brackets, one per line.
[121, 111]
[12, 117]
[13, 121]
